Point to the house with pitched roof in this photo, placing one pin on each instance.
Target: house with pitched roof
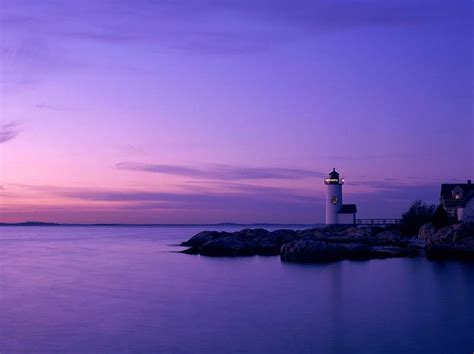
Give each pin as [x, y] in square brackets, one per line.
[456, 199]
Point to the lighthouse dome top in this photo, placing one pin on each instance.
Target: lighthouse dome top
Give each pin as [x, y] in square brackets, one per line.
[333, 178]
[334, 174]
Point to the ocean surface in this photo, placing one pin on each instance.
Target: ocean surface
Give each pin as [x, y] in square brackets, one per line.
[127, 290]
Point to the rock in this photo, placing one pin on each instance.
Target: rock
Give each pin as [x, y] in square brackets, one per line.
[270, 243]
[393, 252]
[243, 242]
[370, 235]
[250, 234]
[444, 235]
[283, 236]
[363, 232]
[311, 233]
[449, 242]
[335, 233]
[314, 245]
[426, 232]
[203, 237]
[464, 233]
[314, 251]
[226, 246]
[388, 236]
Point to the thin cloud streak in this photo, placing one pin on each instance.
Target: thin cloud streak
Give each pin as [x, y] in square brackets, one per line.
[8, 131]
[222, 172]
[242, 193]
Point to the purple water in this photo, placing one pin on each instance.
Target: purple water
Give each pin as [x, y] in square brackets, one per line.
[124, 290]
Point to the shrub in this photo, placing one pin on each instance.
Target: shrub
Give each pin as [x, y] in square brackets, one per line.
[419, 213]
[440, 217]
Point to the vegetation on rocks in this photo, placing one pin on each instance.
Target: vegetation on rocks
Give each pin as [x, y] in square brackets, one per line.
[418, 214]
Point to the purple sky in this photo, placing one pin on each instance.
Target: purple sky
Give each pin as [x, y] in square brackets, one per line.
[213, 111]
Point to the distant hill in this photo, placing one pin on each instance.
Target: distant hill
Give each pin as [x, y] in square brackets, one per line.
[29, 223]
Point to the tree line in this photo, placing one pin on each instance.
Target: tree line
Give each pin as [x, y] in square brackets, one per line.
[421, 213]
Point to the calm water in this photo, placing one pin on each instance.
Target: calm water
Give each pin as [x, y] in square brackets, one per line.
[123, 289]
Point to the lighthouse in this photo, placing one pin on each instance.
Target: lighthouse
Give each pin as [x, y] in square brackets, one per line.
[333, 197]
[336, 212]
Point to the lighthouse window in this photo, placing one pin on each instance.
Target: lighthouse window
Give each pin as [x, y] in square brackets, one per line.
[334, 199]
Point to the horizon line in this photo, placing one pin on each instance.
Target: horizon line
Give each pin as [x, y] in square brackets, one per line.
[41, 223]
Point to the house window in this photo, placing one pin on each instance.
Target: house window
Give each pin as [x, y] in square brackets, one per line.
[457, 193]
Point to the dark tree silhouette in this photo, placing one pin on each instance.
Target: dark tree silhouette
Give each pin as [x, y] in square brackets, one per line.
[419, 213]
[440, 217]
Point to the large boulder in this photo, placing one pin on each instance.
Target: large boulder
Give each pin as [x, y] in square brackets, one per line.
[283, 236]
[464, 233]
[243, 242]
[203, 237]
[427, 232]
[250, 234]
[450, 242]
[226, 246]
[270, 243]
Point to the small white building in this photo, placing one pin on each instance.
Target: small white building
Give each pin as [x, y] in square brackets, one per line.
[466, 209]
[336, 211]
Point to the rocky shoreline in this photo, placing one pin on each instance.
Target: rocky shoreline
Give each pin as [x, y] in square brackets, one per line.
[449, 242]
[335, 243]
[313, 245]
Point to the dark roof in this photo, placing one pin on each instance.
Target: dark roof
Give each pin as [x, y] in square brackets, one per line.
[467, 198]
[333, 174]
[447, 188]
[347, 209]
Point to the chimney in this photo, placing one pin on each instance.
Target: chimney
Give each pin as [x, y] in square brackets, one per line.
[469, 181]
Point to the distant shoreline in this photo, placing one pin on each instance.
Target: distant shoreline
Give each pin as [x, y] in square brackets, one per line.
[37, 223]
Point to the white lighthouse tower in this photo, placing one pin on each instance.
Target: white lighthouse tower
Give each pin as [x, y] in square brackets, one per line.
[333, 197]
